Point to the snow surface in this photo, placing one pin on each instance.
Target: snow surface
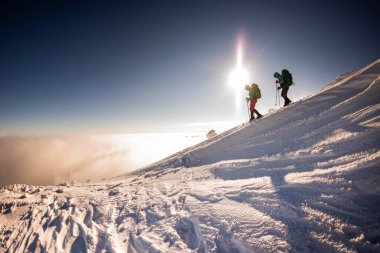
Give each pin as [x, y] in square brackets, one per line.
[303, 179]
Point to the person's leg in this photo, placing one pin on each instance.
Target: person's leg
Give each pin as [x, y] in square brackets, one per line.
[255, 111]
[252, 108]
[259, 115]
[284, 94]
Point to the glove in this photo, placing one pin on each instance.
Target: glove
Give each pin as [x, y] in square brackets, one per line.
[279, 88]
[247, 100]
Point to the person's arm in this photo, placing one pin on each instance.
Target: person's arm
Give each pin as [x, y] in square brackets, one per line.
[281, 80]
[252, 95]
[279, 83]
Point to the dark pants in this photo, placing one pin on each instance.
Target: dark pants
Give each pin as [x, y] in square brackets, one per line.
[257, 113]
[284, 94]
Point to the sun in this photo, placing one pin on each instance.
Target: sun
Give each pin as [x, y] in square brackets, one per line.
[239, 76]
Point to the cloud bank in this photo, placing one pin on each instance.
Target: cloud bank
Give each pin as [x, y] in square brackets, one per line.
[51, 159]
[46, 160]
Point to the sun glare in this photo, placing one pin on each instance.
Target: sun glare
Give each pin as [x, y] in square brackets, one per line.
[239, 76]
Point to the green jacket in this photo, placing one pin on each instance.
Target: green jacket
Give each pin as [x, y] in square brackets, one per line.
[254, 92]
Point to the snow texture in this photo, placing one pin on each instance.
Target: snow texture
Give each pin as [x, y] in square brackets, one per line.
[303, 179]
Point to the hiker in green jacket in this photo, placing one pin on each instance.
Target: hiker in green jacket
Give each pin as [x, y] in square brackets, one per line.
[254, 95]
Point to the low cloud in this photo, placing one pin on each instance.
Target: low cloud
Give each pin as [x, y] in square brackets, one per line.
[48, 160]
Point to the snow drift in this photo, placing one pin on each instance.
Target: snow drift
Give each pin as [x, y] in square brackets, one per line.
[302, 179]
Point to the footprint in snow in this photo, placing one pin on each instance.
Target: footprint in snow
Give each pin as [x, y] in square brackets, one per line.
[113, 193]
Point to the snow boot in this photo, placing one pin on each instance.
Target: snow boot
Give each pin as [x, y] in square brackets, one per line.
[287, 102]
[259, 115]
[252, 117]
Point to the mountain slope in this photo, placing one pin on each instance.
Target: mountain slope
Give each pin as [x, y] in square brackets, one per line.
[303, 179]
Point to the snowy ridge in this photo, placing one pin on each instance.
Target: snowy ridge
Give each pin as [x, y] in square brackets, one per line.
[302, 179]
[349, 75]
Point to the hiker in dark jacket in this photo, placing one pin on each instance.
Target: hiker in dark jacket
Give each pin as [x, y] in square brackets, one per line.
[254, 95]
[284, 80]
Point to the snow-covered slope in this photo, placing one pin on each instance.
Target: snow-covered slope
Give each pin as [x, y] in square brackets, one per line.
[303, 179]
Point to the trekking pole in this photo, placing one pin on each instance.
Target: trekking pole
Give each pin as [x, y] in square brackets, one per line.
[279, 98]
[275, 85]
[249, 116]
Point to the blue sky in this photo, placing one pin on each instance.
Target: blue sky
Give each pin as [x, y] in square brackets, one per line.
[156, 66]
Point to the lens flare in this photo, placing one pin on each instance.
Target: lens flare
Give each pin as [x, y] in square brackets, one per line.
[239, 76]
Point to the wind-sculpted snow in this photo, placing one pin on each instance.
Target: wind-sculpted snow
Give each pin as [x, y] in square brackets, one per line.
[303, 179]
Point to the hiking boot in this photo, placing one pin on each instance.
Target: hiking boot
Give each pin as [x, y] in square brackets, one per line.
[252, 116]
[258, 114]
[287, 103]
